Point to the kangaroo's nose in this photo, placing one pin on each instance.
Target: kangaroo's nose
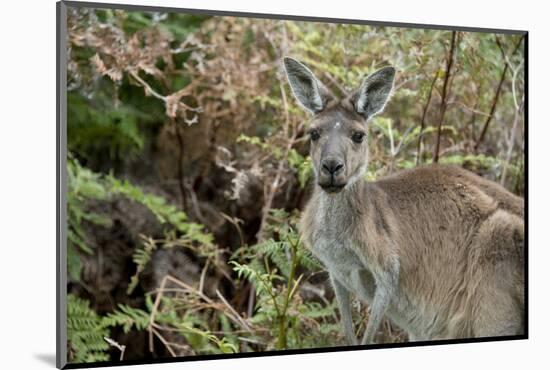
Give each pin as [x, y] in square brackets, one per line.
[332, 166]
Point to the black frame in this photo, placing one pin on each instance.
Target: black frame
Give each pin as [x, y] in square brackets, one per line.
[61, 118]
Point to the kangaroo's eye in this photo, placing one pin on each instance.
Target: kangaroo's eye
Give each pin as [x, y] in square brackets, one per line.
[358, 137]
[314, 135]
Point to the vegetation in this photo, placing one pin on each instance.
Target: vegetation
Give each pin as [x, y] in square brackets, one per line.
[188, 165]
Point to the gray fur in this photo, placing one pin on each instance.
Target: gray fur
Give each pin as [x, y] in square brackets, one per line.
[305, 87]
[374, 92]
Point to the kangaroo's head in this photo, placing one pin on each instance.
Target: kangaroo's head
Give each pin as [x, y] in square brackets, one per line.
[338, 129]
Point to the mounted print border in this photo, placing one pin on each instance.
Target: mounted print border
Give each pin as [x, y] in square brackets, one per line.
[148, 112]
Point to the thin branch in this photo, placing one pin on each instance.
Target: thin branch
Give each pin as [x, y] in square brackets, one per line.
[517, 111]
[404, 82]
[230, 308]
[395, 150]
[472, 110]
[335, 83]
[511, 144]
[493, 107]
[181, 182]
[473, 121]
[146, 86]
[166, 344]
[195, 203]
[120, 347]
[444, 94]
[423, 120]
[235, 222]
[203, 275]
[514, 79]
[390, 134]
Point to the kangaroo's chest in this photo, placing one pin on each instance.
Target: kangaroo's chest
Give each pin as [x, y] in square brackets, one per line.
[337, 255]
[332, 242]
[344, 264]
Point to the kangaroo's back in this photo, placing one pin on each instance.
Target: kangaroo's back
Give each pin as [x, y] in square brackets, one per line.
[461, 248]
[437, 178]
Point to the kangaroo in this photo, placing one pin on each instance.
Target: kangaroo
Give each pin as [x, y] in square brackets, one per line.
[436, 249]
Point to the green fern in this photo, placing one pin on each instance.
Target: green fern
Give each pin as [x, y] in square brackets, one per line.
[272, 268]
[85, 332]
[203, 338]
[165, 213]
[141, 258]
[263, 282]
[99, 124]
[127, 317]
[83, 186]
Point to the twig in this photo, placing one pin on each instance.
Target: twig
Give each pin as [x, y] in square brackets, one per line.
[473, 119]
[191, 48]
[335, 83]
[148, 88]
[120, 347]
[185, 347]
[402, 141]
[195, 203]
[404, 82]
[165, 99]
[510, 145]
[493, 107]
[472, 110]
[248, 340]
[444, 94]
[395, 150]
[230, 308]
[203, 275]
[390, 134]
[423, 120]
[235, 222]
[181, 183]
[166, 344]
[518, 108]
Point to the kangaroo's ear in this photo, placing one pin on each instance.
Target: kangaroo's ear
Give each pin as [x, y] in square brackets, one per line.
[374, 92]
[309, 91]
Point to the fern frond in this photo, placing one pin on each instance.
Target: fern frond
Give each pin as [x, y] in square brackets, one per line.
[85, 332]
[276, 252]
[141, 258]
[127, 317]
[307, 260]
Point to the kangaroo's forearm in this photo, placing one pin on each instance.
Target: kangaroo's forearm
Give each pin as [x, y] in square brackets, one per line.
[344, 304]
[386, 285]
